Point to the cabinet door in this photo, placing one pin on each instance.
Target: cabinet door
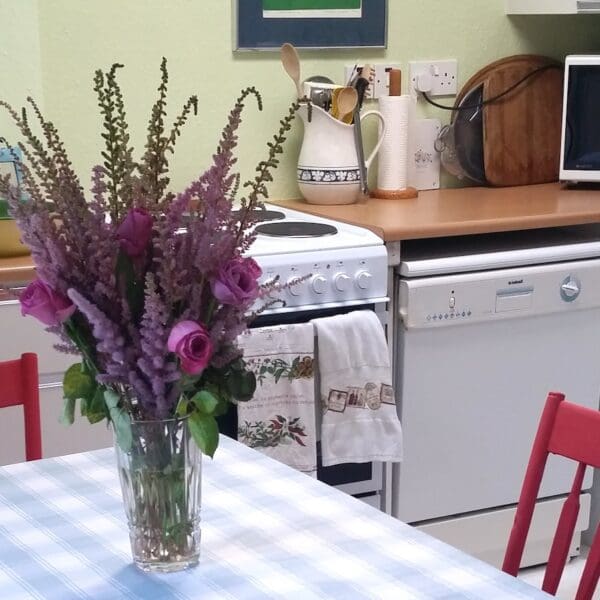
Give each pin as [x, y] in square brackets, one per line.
[57, 439]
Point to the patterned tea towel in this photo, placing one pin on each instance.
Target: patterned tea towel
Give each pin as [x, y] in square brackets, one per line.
[360, 423]
[280, 419]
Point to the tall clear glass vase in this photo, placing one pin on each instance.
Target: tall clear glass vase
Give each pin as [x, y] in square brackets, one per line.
[160, 481]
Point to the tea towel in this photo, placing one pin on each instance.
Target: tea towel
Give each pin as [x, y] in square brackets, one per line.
[280, 419]
[360, 423]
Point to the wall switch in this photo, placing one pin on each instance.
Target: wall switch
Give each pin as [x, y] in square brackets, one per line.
[436, 77]
[380, 86]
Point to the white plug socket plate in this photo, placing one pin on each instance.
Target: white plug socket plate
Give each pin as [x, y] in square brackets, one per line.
[444, 75]
[380, 85]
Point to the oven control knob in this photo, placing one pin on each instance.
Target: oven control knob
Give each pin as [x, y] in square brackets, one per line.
[363, 280]
[318, 284]
[342, 282]
[295, 286]
[570, 288]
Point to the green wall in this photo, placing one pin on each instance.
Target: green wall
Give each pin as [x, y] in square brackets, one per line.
[50, 48]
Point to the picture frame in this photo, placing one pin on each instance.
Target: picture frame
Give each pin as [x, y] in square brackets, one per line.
[353, 24]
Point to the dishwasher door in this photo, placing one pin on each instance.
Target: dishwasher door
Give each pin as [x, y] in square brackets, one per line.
[476, 356]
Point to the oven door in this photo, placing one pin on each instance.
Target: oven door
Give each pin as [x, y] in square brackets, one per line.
[362, 480]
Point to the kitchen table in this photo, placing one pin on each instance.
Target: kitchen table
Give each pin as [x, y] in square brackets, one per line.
[267, 531]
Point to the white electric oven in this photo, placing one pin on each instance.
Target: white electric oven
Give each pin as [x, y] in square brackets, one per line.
[341, 268]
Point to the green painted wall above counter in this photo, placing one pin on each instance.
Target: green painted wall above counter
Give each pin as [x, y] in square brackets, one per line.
[51, 48]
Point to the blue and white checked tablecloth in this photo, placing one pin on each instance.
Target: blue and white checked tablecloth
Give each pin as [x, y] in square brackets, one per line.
[267, 532]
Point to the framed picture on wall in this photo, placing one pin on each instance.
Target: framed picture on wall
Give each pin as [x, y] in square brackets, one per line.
[267, 24]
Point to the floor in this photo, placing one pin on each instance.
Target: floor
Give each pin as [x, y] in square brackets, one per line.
[568, 583]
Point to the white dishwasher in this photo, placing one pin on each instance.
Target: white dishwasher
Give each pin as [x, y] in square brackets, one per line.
[488, 326]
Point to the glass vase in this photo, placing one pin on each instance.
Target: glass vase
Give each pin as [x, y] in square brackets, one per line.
[160, 481]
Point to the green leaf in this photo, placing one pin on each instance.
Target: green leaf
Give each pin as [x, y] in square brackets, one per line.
[205, 402]
[96, 407]
[78, 383]
[205, 431]
[120, 419]
[189, 382]
[182, 406]
[241, 384]
[67, 415]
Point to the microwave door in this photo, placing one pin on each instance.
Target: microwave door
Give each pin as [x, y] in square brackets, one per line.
[582, 119]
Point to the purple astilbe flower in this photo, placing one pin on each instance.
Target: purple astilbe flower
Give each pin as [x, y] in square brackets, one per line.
[110, 342]
[158, 370]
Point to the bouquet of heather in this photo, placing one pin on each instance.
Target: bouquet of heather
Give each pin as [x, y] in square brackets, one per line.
[151, 288]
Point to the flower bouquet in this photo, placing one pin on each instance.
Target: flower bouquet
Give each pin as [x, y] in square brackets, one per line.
[151, 288]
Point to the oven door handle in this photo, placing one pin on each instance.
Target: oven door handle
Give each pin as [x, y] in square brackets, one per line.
[326, 305]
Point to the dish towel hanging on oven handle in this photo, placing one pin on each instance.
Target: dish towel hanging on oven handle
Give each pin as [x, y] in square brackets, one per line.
[280, 420]
[360, 423]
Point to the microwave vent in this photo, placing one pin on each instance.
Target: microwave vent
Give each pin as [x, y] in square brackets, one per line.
[588, 6]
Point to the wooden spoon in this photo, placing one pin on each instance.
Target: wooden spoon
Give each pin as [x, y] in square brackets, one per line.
[346, 103]
[291, 64]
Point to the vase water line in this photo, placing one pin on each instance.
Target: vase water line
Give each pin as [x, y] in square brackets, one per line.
[161, 485]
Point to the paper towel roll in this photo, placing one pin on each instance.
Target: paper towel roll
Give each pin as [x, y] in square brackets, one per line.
[392, 173]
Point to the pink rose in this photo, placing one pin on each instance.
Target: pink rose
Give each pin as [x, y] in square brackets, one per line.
[135, 231]
[236, 283]
[42, 302]
[191, 342]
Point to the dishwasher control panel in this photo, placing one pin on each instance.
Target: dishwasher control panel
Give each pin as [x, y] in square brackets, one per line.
[506, 293]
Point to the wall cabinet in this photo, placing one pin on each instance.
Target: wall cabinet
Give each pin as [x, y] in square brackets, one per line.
[18, 335]
[552, 7]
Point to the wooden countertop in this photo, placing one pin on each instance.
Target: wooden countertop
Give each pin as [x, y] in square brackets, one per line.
[16, 271]
[434, 213]
[462, 211]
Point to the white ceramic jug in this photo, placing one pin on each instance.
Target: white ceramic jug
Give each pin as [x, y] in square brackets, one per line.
[328, 171]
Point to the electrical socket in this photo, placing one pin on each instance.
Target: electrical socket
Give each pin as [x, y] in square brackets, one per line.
[380, 86]
[444, 75]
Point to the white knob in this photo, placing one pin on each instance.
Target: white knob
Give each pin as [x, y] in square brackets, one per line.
[570, 288]
[295, 286]
[318, 284]
[363, 280]
[342, 282]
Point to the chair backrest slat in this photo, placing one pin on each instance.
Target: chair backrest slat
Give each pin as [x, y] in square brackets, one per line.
[575, 434]
[19, 386]
[571, 431]
[559, 553]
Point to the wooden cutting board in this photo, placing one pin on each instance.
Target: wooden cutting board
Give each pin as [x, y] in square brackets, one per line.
[522, 130]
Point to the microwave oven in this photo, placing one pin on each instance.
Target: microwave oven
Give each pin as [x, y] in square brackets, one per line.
[580, 140]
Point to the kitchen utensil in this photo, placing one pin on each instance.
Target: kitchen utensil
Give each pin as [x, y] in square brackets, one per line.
[291, 64]
[518, 137]
[395, 82]
[344, 102]
[329, 163]
[318, 89]
[319, 79]
[361, 84]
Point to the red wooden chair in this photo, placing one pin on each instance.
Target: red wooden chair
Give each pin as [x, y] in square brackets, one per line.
[19, 385]
[572, 431]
